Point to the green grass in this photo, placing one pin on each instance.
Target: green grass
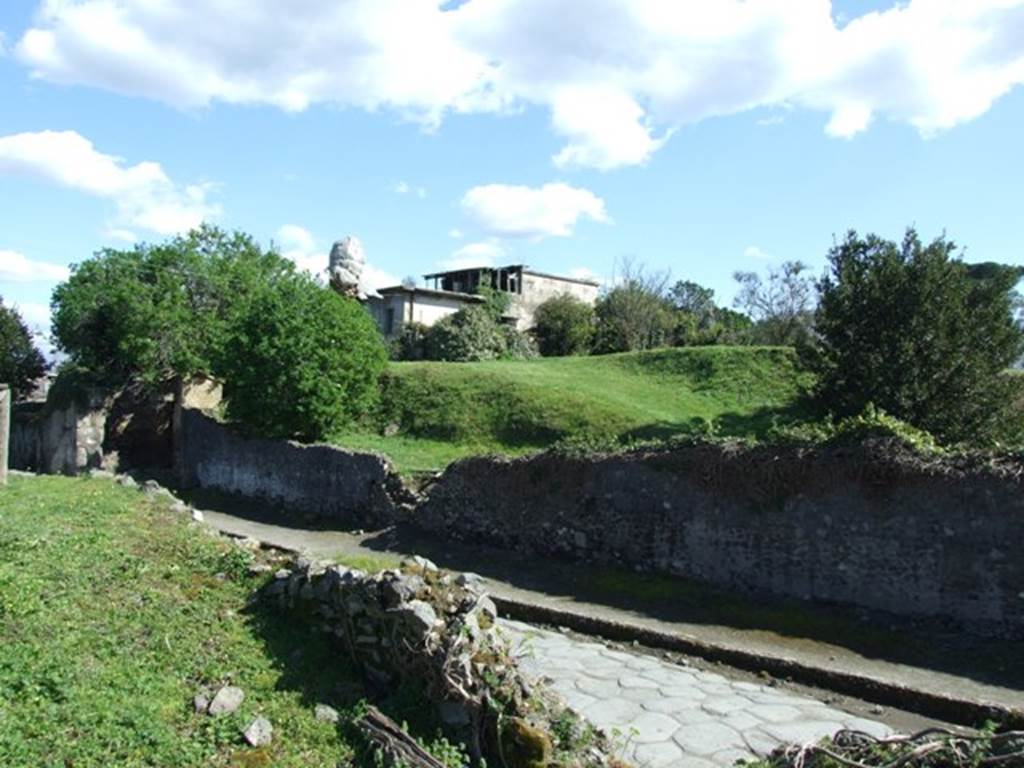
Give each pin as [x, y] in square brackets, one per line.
[445, 411]
[113, 613]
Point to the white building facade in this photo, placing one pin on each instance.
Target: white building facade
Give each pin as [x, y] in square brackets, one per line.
[448, 292]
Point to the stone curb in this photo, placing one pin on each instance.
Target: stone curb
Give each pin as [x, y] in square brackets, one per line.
[942, 707]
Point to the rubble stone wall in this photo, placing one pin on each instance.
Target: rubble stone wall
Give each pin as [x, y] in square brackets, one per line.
[332, 484]
[866, 526]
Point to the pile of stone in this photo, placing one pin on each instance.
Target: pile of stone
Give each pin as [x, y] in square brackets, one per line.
[438, 630]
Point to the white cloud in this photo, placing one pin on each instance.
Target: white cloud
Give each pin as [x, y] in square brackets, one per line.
[404, 188]
[124, 235]
[755, 252]
[298, 244]
[18, 268]
[36, 316]
[455, 233]
[616, 76]
[480, 254]
[585, 273]
[143, 194]
[536, 212]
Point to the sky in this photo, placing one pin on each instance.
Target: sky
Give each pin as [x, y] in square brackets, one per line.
[700, 137]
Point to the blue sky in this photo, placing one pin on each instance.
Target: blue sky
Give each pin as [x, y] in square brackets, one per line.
[563, 134]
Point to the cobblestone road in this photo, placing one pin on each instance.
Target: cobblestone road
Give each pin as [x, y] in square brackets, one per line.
[671, 715]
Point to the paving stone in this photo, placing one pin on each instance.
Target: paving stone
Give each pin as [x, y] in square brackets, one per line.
[650, 727]
[707, 738]
[775, 713]
[730, 756]
[759, 742]
[663, 754]
[616, 655]
[644, 664]
[671, 704]
[723, 705]
[691, 761]
[741, 721]
[667, 715]
[802, 732]
[683, 692]
[577, 700]
[599, 687]
[612, 712]
[633, 681]
[742, 685]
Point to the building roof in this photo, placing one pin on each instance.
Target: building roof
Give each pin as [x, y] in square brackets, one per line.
[524, 268]
[430, 292]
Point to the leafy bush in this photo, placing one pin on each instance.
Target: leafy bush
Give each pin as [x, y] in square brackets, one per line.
[564, 325]
[473, 334]
[302, 361]
[156, 311]
[467, 335]
[871, 423]
[518, 345]
[918, 333]
[20, 362]
[410, 344]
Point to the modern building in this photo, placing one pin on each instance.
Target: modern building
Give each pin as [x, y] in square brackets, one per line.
[448, 292]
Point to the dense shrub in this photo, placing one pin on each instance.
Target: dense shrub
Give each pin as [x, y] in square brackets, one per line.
[302, 361]
[564, 325]
[871, 424]
[472, 334]
[20, 362]
[918, 333]
[467, 335]
[156, 311]
[410, 343]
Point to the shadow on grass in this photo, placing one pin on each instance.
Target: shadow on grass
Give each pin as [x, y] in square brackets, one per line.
[316, 665]
[755, 424]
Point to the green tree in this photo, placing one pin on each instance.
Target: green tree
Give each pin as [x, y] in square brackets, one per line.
[20, 362]
[915, 331]
[301, 361]
[159, 310]
[635, 313]
[781, 304]
[564, 325]
[693, 299]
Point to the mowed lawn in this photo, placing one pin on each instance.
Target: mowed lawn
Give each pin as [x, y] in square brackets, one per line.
[438, 412]
[114, 611]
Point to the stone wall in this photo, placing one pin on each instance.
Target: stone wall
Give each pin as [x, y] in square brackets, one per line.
[873, 527]
[60, 439]
[438, 633]
[335, 485]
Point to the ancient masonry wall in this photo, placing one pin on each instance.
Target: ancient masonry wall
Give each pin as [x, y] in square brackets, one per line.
[343, 487]
[875, 527]
[59, 440]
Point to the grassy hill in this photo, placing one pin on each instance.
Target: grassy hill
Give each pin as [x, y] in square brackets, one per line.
[443, 411]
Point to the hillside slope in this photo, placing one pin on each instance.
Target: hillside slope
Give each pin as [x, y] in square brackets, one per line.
[446, 410]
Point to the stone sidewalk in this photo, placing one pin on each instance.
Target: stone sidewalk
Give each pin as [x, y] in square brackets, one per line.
[665, 714]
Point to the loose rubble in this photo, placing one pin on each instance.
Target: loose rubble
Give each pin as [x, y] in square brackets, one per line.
[422, 624]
